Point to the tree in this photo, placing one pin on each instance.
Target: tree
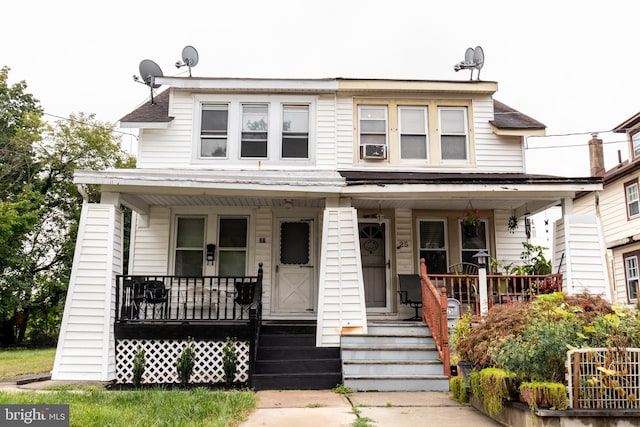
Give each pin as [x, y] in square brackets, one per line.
[40, 216]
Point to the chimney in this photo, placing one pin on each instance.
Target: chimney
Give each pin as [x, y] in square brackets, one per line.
[596, 156]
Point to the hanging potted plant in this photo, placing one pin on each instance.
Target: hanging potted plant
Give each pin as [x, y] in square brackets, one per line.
[471, 222]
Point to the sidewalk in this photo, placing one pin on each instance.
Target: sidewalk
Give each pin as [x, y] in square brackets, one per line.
[324, 408]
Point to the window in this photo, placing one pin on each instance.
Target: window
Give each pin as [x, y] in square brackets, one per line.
[635, 142]
[232, 246]
[632, 274]
[633, 201]
[433, 247]
[453, 133]
[295, 131]
[473, 241]
[213, 131]
[189, 246]
[373, 125]
[255, 124]
[413, 133]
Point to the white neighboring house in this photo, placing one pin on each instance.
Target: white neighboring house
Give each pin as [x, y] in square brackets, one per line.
[617, 206]
[335, 186]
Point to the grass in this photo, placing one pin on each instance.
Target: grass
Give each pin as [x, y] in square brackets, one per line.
[99, 407]
[16, 362]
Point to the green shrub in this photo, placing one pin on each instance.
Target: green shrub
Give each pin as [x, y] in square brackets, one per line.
[229, 360]
[458, 389]
[496, 388]
[138, 366]
[546, 394]
[185, 363]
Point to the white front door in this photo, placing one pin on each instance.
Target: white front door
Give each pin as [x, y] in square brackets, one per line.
[294, 291]
[376, 265]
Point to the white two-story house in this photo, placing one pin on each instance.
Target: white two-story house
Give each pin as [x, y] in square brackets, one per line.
[618, 208]
[333, 186]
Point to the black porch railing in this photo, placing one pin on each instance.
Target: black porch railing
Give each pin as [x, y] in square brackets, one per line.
[146, 298]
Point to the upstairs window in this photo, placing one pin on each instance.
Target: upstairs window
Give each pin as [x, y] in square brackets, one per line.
[213, 131]
[255, 125]
[632, 198]
[295, 132]
[635, 145]
[373, 125]
[413, 133]
[189, 246]
[453, 133]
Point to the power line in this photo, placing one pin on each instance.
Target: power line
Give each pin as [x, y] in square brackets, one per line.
[92, 125]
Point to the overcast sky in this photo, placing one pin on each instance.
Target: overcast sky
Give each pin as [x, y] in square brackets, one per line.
[572, 65]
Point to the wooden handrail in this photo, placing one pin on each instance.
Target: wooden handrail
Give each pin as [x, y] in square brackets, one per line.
[434, 313]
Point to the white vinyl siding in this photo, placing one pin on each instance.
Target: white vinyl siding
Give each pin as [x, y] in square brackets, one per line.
[150, 244]
[86, 344]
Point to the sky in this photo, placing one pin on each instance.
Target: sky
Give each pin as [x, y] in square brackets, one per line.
[572, 65]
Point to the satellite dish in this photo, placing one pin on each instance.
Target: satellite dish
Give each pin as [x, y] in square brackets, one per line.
[189, 58]
[473, 59]
[149, 70]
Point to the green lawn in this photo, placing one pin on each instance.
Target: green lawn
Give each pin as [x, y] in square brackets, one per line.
[25, 361]
[98, 407]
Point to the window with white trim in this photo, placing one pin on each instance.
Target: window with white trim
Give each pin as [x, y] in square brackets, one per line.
[214, 130]
[433, 244]
[255, 130]
[295, 132]
[232, 246]
[453, 133]
[632, 199]
[632, 274]
[413, 133]
[189, 258]
[635, 145]
[372, 124]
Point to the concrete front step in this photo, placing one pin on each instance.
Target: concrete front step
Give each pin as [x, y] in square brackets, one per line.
[352, 368]
[375, 352]
[398, 383]
[402, 329]
[386, 340]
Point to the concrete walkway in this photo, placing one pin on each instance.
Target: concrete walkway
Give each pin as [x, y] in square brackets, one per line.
[325, 408]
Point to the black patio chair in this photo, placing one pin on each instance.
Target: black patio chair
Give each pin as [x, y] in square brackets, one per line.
[410, 290]
[245, 293]
[155, 295]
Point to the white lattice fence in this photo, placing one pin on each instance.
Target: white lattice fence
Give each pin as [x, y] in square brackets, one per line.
[161, 356]
[601, 378]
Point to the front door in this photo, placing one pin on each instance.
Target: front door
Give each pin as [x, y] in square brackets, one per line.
[376, 266]
[294, 291]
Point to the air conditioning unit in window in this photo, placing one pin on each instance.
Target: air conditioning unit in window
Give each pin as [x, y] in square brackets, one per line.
[371, 151]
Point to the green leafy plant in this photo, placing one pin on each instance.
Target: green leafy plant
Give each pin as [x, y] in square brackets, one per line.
[185, 363]
[458, 389]
[342, 389]
[138, 366]
[229, 360]
[544, 395]
[471, 218]
[497, 386]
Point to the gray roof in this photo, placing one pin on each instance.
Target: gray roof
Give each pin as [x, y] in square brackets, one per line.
[506, 117]
[158, 112]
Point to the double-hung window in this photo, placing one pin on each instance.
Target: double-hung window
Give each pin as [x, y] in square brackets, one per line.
[632, 199]
[232, 246]
[454, 138]
[295, 132]
[413, 133]
[473, 240]
[190, 233]
[255, 130]
[373, 125]
[633, 275]
[213, 131]
[635, 145]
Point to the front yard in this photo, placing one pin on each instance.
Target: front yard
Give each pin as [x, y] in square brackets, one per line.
[16, 362]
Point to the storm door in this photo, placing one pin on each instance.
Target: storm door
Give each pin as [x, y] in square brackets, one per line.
[376, 265]
[294, 291]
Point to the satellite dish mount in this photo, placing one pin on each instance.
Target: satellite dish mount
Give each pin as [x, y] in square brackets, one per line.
[473, 59]
[149, 70]
[189, 58]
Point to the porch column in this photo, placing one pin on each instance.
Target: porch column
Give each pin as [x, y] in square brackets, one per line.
[341, 304]
[86, 346]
